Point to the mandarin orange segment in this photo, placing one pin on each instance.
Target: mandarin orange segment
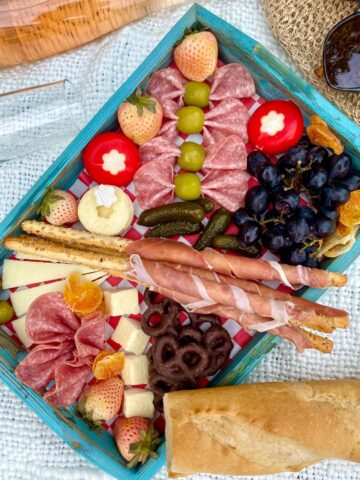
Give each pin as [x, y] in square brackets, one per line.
[108, 364]
[350, 211]
[82, 296]
[323, 136]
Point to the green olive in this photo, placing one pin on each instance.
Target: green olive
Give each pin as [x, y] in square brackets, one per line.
[192, 156]
[187, 186]
[190, 120]
[6, 312]
[197, 94]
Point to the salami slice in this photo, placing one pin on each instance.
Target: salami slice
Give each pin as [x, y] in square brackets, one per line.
[228, 154]
[70, 378]
[167, 83]
[232, 81]
[154, 184]
[90, 337]
[228, 188]
[229, 117]
[38, 367]
[49, 319]
[159, 148]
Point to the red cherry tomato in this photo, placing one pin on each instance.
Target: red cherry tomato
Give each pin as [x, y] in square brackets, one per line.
[111, 159]
[275, 126]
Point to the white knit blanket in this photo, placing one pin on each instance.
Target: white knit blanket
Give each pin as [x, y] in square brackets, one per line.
[28, 449]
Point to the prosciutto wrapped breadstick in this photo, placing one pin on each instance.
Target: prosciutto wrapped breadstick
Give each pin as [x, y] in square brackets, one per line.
[160, 275]
[324, 319]
[299, 337]
[164, 250]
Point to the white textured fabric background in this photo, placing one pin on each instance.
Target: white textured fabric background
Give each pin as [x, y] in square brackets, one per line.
[28, 449]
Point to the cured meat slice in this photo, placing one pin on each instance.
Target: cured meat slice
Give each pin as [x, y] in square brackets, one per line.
[165, 250]
[229, 117]
[232, 81]
[159, 148]
[90, 337]
[166, 84]
[228, 188]
[49, 319]
[38, 367]
[154, 184]
[70, 378]
[228, 154]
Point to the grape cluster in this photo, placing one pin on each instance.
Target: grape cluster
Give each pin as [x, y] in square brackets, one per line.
[272, 214]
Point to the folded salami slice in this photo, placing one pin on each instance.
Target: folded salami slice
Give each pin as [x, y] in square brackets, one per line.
[38, 367]
[154, 185]
[49, 319]
[70, 378]
[64, 348]
[230, 81]
[164, 250]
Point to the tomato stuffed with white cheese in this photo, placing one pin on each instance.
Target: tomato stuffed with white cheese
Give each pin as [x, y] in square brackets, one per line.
[111, 159]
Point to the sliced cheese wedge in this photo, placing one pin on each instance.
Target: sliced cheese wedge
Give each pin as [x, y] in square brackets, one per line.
[19, 327]
[22, 299]
[19, 273]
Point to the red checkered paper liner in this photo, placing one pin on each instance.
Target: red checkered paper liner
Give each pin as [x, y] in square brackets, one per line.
[80, 186]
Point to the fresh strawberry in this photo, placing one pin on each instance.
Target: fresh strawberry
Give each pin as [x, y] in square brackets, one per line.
[136, 439]
[102, 400]
[196, 56]
[140, 117]
[59, 207]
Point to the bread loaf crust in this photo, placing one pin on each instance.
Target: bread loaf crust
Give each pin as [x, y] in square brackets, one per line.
[262, 429]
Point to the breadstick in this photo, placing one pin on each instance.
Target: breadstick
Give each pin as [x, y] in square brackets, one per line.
[79, 238]
[116, 265]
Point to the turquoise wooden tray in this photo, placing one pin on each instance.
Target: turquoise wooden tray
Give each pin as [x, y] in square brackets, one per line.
[273, 80]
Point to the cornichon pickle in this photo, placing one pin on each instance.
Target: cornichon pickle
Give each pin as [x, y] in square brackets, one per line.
[232, 242]
[217, 225]
[175, 228]
[173, 212]
[206, 203]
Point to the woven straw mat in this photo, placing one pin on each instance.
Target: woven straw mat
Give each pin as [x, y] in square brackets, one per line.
[301, 27]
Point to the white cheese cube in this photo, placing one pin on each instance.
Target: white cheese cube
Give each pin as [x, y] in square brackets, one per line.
[19, 327]
[130, 336]
[136, 370]
[124, 301]
[138, 403]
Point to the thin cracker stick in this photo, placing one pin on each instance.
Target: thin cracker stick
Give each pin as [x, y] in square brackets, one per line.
[116, 265]
[80, 238]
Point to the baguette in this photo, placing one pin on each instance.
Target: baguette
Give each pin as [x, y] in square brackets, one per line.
[262, 429]
[115, 265]
[80, 238]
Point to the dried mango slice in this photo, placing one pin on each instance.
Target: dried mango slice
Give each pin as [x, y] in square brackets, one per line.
[82, 296]
[350, 211]
[323, 136]
[108, 364]
[316, 120]
[338, 242]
